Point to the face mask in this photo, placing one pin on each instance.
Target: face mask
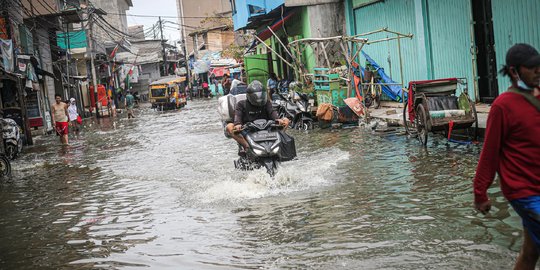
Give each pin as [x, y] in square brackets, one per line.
[522, 85]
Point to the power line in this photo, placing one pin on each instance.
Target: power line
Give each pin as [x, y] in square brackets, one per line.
[165, 16]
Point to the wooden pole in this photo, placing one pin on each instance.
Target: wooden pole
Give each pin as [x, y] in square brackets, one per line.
[270, 48]
[349, 83]
[280, 42]
[316, 39]
[325, 54]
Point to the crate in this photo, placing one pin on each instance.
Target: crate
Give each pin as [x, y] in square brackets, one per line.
[324, 81]
[325, 85]
[334, 96]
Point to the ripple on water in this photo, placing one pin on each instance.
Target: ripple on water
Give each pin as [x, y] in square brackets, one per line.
[160, 191]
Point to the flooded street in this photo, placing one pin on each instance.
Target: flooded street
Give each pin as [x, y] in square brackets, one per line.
[161, 192]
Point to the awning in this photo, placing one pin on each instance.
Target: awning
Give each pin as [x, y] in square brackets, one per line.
[43, 72]
[266, 33]
[275, 26]
[219, 71]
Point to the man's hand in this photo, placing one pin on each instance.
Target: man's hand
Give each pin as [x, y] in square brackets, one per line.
[283, 122]
[483, 207]
[237, 128]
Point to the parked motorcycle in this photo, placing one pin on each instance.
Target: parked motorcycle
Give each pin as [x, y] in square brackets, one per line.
[11, 134]
[296, 107]
[5, 164]
[268, 146]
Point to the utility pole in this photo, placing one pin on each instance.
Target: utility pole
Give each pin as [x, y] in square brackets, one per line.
[184, 51]
[196, 46]
[92, 64]
[184, 44]
[68, 47]
[165, 71]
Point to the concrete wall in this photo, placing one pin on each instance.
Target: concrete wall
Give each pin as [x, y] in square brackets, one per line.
[46, 62]
[113, 7]
[332, 25]
[200, 8]
[150, 73]
[228, 38]
[41, 7]
[333, 22]
[137, 31]
[218, 41]
[214, 41]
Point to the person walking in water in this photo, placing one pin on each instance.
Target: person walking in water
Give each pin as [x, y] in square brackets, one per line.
[512, 149]
[73, 115]
[60, 117]
[130, 104]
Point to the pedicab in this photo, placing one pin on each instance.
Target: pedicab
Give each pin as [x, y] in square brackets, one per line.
[433, 106]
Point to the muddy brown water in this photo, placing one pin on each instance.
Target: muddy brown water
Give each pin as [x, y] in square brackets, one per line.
[160, 192]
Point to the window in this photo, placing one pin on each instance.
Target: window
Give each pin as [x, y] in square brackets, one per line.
[158, 92]
[255, 10]
[32, 105]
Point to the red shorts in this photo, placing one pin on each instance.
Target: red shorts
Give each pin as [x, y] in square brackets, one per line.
[62, 128]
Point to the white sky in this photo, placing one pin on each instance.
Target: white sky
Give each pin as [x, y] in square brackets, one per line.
[155, 8]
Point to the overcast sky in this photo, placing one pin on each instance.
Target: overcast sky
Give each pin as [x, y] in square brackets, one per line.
[166, 8]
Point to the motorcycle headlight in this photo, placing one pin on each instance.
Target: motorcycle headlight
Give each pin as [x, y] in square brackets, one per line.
[257, 151]
[301, 107]
[275, 150]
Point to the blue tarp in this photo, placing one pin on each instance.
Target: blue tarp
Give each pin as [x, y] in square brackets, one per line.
[393, 91]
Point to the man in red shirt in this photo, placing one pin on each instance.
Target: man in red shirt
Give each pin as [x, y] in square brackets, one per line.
[512, 148]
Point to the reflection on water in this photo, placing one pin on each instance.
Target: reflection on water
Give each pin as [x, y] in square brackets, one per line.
[160, 191]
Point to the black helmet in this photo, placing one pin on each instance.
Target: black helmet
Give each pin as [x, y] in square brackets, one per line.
[256, 94]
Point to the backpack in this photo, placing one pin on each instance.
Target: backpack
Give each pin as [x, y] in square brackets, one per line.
[325, 112]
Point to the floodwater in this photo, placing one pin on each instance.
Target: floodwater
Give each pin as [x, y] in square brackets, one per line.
[160, 192]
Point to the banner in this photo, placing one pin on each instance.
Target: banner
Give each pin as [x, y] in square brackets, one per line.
[6, 46]
[3, 29]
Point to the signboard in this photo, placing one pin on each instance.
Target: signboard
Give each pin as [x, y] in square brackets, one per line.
[334, 97]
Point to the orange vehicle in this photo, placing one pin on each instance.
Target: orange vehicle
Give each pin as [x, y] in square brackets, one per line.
[168, 93]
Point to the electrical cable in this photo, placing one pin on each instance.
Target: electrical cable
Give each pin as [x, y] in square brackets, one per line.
[166, 16]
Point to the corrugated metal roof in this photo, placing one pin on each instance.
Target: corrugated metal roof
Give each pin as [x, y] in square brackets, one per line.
[169, 80]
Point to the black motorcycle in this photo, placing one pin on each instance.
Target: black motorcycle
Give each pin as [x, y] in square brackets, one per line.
[5, 164]
[268, 146]
[297, 109]
[12, 138]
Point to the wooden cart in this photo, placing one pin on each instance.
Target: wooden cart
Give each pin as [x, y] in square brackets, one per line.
[433, 106]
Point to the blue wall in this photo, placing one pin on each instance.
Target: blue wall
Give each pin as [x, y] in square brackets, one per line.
[242, 13]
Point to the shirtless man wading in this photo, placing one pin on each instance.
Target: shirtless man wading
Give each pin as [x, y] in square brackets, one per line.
[61, 119]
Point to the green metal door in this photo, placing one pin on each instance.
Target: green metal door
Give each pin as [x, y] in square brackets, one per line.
[256, 67]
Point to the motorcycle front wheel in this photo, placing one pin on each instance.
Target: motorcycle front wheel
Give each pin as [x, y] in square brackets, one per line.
[271, 167]
[5, 167]
[304, 125]
[11, 151]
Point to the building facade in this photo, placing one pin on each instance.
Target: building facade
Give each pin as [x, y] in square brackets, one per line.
[289, 20]
[460, 38]
[201, 14]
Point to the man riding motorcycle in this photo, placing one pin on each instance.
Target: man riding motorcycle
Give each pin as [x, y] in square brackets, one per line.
[256, 106]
